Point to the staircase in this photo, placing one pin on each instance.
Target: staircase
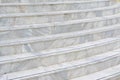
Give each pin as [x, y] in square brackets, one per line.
[59, 40]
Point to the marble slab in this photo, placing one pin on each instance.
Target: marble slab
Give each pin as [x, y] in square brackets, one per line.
[50, 58]
[53, 6]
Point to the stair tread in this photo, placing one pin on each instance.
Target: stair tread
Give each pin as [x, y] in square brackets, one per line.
[52, 13]
[32, 26]
[62, 1]
[59, 23]
[45, 3]
[55, 36]
[102, 75]
[92, 39]
[25, 56]
[64, 66]
[68, 11]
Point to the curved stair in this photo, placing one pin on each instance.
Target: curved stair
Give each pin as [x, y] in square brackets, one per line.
[59, 40]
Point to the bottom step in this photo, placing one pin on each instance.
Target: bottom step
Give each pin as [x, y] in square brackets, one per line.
[69, 70]
[107, 74]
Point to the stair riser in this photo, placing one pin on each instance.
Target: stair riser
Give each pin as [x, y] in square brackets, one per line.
[50, 7]
[58, 58]
[37, 19]
[61, 46]
[113, 77]
[77, 71]
[55, 29]
[34, 1]
[57, 42]
[7, 35]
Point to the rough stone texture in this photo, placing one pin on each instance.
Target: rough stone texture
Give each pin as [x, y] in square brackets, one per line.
[59, 40]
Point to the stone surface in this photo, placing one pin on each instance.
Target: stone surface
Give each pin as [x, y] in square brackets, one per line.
[59, 40]
[56, 57]
[53, 6]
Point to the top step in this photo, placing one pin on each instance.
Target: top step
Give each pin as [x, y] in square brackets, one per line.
[36, 1]
[52, 6]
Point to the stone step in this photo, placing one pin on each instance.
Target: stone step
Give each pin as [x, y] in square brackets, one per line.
[66, 25]
[53, 6]
[36, 44]
[37, 18]
[58, 27]
[45, 30]
[56, 56]
[37, 1]
[59, 39]
[112, 73]
[69, 70]
[71, 14]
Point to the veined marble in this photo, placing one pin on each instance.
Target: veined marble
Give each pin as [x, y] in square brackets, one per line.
[55, 57]
[59, 40]
[36, 44]
[51, 6]
[37, 18]
[56, 27]
[71, 69]
[28, 1]
[107, 74]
